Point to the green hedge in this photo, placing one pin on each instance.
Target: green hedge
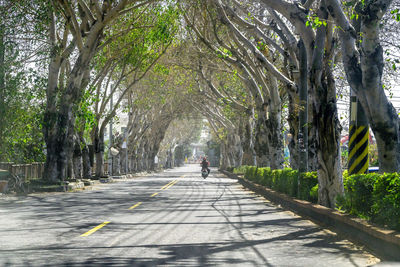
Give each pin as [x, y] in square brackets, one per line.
[375, 197]
[284, 181]
[240, 170]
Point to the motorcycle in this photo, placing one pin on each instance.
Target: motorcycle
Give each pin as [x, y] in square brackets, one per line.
[204, 173]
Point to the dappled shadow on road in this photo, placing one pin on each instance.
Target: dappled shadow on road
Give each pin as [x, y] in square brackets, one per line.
[183, 254]
[239, 221]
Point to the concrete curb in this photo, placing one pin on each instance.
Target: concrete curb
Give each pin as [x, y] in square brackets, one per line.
[384, 243]
[106, 180]
[75, 185]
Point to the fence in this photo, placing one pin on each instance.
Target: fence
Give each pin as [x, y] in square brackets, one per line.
[33, 170]
[28, 171]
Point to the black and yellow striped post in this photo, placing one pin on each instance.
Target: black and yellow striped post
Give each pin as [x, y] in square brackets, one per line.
[358, 139]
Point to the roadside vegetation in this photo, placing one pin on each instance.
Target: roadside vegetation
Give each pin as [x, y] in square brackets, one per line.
[374, 197]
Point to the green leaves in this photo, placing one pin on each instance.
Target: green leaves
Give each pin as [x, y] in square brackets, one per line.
[315, 22]
[395, 14]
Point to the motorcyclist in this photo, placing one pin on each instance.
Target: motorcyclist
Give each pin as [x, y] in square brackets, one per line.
[204, 164]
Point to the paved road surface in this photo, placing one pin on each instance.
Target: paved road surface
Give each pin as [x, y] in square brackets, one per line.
[174, 218]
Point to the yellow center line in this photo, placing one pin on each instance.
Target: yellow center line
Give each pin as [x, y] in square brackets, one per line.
[162, 188]
[171, 184]
[155, 194]
[134, 206]
[95, 229]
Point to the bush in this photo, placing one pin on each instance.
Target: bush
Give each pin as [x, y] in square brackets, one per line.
[386, 200]
[250, 173]
[230, 169]
[371, 196]
[267, 181]
[314, 194]
[259, 175]
[309, 187]
[240, 170]
[287, 182]
[358, 194]
[284, 181]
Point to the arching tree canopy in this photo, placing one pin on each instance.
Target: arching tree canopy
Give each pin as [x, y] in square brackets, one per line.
[252, 68]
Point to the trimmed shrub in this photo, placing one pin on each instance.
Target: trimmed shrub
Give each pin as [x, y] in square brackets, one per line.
[250, 173]
[260, 176]
[371, 196]
[314, 194]
[240, 170]
[386, 200]
[276, 176]
[230, 169]
[268, 177]
[309, 187]
[358, 194]
[287, 182]
[284, 181]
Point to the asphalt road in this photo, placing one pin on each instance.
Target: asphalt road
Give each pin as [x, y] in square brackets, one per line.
[173, 218]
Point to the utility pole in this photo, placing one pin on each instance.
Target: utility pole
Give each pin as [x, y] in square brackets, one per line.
[358, 138]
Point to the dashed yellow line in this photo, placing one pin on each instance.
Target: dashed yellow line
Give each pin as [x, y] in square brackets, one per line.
[165, 187]
[136, 205]
[162, 188]
[171, 184]
[95, 229]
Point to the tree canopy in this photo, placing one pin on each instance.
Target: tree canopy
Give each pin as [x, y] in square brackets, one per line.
[254, 69]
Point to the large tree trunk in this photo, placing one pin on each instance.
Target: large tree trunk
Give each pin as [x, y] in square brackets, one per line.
[275, 140]
[59, 117]
[77, 158]
[124, 161]
[313, 163]
[132, 164]
[261, 145]
[235, 150]
[293, 121]
[57, 130]
[59, 127]
[139, 157]
[329, 171]
[383, 118]
[116, 166]
[274, 126]
[52, 171]
[247, 137]
[330, 182]
[224, 158]
[170, 159]
[86, 168]
[364, 70]
[99, 152]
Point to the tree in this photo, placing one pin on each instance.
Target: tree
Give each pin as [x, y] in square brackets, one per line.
[21, 139]
[363, 61]
[82, 26]
[124, 61]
